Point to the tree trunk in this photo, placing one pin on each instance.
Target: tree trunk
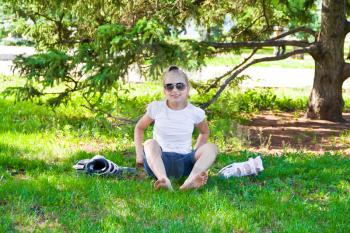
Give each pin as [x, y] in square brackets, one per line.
[326, 101]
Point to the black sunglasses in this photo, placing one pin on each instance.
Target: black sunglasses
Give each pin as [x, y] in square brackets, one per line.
[171, 86]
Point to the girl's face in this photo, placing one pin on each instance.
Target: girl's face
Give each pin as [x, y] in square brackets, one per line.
[176, 89]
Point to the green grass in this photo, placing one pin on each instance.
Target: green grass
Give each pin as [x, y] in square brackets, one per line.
[40, 192]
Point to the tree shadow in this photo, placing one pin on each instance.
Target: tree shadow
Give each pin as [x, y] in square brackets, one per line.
[328, 168]
[53, 197]
[12, 157]
[49, 196]
[278, 131]
[292, 185]
[27, 117]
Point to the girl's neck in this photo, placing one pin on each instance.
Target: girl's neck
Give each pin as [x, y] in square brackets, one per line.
[176, 106]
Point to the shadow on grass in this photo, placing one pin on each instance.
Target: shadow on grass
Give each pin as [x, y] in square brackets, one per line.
[125, 158]
[295, 191]
[16, 160]
[37, 196]
[27, 117]
[328, 168]
[12, 157]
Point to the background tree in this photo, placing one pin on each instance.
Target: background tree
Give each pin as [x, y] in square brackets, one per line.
[89, 46]
[331, 70]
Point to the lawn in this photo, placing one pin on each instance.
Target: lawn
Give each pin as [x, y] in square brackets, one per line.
[40, 191]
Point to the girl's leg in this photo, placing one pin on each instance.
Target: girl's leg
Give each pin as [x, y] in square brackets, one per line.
[154, 159]
[205, 157]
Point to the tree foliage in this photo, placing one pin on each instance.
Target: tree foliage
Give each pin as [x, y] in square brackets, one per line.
[88, 46]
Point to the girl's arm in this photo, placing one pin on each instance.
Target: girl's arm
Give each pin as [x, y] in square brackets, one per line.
[203, 134]
[140, 127]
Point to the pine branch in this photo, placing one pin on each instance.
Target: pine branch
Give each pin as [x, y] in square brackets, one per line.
[218, 79]
[255, 61]
[253, 44]
[93, 109]
[275, 41]
[296, 30]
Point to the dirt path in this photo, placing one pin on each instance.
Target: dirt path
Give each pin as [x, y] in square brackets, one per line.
[281, 132]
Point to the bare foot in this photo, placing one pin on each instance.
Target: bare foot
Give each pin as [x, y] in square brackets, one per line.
[163, 183]
[198, 181]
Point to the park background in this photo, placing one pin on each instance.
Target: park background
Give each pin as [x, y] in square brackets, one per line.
[304, 187]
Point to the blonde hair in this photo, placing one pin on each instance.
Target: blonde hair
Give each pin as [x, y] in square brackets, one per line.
[175, 71]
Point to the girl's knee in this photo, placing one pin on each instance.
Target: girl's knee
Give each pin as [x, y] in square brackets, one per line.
[152, 149]
[208, 149]
[211, 148]
[150, 143]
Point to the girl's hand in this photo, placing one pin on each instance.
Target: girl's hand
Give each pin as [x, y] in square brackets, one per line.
[139, 161]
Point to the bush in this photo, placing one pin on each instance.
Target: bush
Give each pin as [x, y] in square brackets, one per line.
[234, 103]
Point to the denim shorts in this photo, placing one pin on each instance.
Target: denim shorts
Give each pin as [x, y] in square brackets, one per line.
[176, 165]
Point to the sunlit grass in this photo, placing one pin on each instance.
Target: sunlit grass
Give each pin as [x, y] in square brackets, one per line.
[40, 191]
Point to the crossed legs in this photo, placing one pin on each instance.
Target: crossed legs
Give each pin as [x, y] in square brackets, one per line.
[205, 157]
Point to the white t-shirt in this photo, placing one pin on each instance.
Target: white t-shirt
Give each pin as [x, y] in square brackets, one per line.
[173, 128]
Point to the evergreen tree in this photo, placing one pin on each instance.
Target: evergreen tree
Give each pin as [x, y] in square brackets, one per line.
[89, 45]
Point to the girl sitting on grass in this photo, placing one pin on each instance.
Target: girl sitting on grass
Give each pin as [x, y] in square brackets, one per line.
[170, 153]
